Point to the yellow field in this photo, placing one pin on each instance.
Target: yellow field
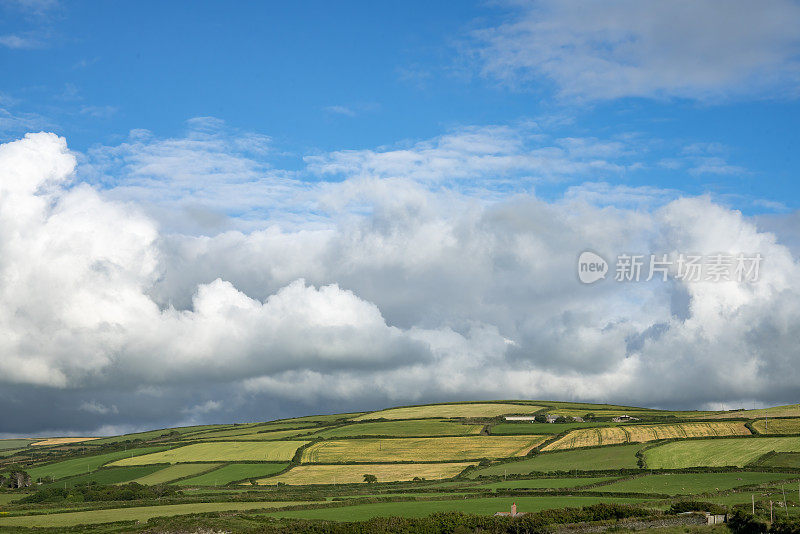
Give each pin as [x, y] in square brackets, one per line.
[789, 410]
[590, 437]
[227, 451]
[346, 474]
[419, 449]
[450, 410]
[59, 441]
[777, 426]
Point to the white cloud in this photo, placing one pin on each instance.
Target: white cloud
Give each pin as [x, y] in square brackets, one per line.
[15, 41]
[703, 49]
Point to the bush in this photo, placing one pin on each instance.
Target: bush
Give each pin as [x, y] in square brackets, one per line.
[740, 522]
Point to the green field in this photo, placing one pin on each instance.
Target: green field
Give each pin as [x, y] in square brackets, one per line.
[691, 483]
[260, 436]
[617, 457]
[153, 434]
[77, 466]
[348, 474]
[777, 426]
[416, 449]
[781, 459]
[546, 483]
[6, 498]
[511, 429]
[6, 444]
[446, 411]
[174, 472]
[234, 472]
[139, 513]
[108, 475]
[220, 451]
[485, 506]
[716, 452]
[421, 427]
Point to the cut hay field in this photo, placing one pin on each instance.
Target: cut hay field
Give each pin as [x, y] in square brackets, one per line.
[693, 483]
[221, 451]
[174, 472]
[420, 427]
[419, 449]
[348, 474]
[77, 466]
[716, 452]
[515, 429]
[451, 410]
[777, 426]
[233, 472]
[618, 457]
[590, 437]
[137, 513]
[59, 441]
[482, 506]
[789, 410]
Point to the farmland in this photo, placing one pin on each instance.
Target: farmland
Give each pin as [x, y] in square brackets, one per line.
[467, 410]
[411, 449]
[58, 441]
[86, 464]
[777, 426]
[174, 472]
[226, 451]
[422, 427]
[344, 474]
[716, 453]
[233, 472]
[511, 429]
[619, 457]
[692, 483]
[592, 437]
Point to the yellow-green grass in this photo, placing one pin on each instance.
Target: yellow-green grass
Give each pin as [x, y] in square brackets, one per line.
[481, 506]
[139, 513]
[347, 474]
[789, 410]
[86, 464]
[777, 426]
[254, 430]
[319, 418]
[6, 498]
[174, 472]
[59, 441]
[419, 427]
[107, 475]
[780, 459]
[220, 451]
[693, 483]
[477, 409]
[232, 473]
[617, 457]
[419, 449]
[546, 483]
[153, 434]
[513, 429]
[591, 437]
[6, 444]
[716, 452]
[263, 436]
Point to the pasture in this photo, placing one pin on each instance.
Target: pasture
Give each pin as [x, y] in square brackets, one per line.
[153, 434]
[789, 410]
[445, 411]
[348, 474]
[220, 451]
[108, 475]
[233, 472]
[546, 483]
[174, 472]
[420, 427]
[261, 436]
[693, 483]
[512, 429]
[590, 437]
[86, 464]
[8, 444]
[777, 426]
[618, 457]
[780, 459]
[716, 452]
[59, 441]
[416, 449]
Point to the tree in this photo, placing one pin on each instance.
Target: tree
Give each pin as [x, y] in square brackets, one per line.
[369, 479]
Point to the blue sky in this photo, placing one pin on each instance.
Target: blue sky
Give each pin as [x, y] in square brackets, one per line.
[216, 212]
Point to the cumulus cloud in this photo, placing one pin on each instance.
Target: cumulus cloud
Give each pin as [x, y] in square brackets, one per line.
[427, 295]
[629, 48]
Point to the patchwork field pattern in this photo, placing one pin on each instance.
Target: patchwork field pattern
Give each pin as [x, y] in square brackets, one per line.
[59, 441]
[592, 437]
[451, 410]
[416, 449]
[692, 483]
[420, 427]
[619, 457]
[222, 451]
[789, 410]
[346, 474]
[174, 472]
[777, 426]
[716, 452]
[77, 466]
[233, 472]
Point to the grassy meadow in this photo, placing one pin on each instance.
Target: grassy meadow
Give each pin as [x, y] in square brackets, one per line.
[348, 474]
[225, 451]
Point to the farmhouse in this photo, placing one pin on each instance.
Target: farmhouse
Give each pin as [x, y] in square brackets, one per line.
[624, 419]
[513, 512]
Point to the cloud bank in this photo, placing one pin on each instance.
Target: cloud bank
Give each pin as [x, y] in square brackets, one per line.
[431, 293]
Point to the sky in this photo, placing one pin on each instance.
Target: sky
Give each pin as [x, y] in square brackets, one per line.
[226, 213]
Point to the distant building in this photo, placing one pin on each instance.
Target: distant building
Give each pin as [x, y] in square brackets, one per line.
[550, 418]
[513, 512]
[530, 418]
[578, 419]
[624, 419]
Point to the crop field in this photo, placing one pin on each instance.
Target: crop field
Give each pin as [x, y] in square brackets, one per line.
[618, 457]
[693, 483]
[780, 459]
[513, 429]
[789, 410]
[259, 432]
[451, 410]
[347, 474]
[716, 452]
[484, 506]
[77, 466]
[547, 483]
[222, 451]
[138, 513]
[590, 437]
[108, 475]
[421, 427]
[777, 426]
[233, 472]
[174, 472]
[6, 444]
[59, 441]
[416, 449]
